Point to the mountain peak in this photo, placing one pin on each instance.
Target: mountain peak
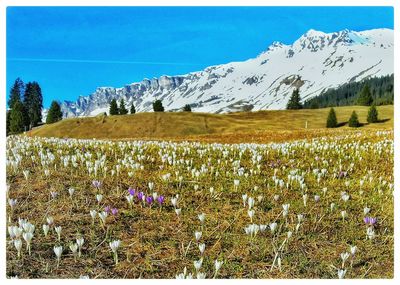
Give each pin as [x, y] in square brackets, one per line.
[314, 33]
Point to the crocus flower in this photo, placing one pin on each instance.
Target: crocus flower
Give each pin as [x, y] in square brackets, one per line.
[18, 246]
[46, 229]
[107, 209]
[197, 264]
[99, 197]
[114, 211]
[202, 217]
[58, 231]
[149, 200]
[58, 251]
[50, 220]
[114, 245]
[160, 199]
[96, 184]
[131, 191]
[341, 273]
[12, 203]
[202, 247]
[218, 265]
[197, 235]
[79, 243]
[140, 195]
[370, 221]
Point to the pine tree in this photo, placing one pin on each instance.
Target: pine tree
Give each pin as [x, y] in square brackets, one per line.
[54, 114]
[133, 110]
[17, 124]
[33, 102]
[16, 92]
[353, 121]
[187, 108]
[157, 106]
[294, 101]
[114, 107]
[8, 122]
[372, 115]
[331, 121]
[365, 96]
[122, 108]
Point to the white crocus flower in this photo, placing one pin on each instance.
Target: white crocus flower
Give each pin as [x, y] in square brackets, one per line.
[58, 231]
[197, 264]
[273, 227]
[114, 245]
[218, 265]
[80, 241]
[46, 229]
[341, 273]
[58, 251]
[198, 235]
[202, 217]
[202, 247]
[28, 238]
[18, 246]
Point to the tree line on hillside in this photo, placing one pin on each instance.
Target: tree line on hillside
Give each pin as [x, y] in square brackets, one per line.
[364, 98]
[25, 107]
[121, 109]
[381, 89]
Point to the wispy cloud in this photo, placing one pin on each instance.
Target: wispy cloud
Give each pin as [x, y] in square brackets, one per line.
[62, 60]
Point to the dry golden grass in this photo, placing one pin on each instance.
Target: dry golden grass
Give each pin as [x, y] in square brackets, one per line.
[262, 126]
[158, 244]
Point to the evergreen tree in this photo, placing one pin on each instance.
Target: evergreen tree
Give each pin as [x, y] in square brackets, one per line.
[294, 101]
[54, 114]
[133, 110]
[331, 121]
[365, 96]
[122, 108]
[187, 108]
[114, 107]
[157, 106]
[314, 105]
[16, 92]
[372, 114]
[17, 124]
[33, 102]
[353, 121]
[8, 122]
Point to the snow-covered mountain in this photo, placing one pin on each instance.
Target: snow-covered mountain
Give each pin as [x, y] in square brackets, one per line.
[314, 63]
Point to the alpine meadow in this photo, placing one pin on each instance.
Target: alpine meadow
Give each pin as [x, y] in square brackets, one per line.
[209, 142]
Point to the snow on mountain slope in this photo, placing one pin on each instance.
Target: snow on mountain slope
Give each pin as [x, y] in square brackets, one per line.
[314, 63]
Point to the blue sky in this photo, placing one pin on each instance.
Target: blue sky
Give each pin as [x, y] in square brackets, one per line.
[72, 50]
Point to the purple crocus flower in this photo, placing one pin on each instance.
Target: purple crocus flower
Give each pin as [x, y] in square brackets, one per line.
[107, 209]
[370, 221]
[96, 183]
[140, 196]
[131, 191]
[149, 200]
[160, 199]
[114, 211]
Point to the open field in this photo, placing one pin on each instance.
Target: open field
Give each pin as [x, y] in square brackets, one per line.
[315, 208]
[260, 126]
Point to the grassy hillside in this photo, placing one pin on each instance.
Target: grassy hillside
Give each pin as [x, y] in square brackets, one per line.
[201, 125]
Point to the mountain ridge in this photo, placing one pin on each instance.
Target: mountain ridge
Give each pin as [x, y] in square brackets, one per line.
[315, 62]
